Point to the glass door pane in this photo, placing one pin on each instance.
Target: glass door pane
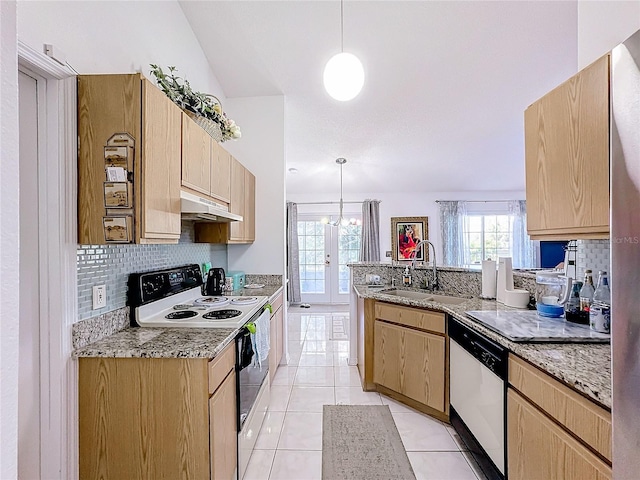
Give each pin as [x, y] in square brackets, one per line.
[348, 240]
[312, 245]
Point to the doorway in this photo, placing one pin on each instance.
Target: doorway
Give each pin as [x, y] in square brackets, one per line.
[47, 375]
[29, 377]
[324, 253]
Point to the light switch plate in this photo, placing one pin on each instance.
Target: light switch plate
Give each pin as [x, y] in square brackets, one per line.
[99, 296]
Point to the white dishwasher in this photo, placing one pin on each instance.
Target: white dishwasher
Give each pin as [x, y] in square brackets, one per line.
[478, 396]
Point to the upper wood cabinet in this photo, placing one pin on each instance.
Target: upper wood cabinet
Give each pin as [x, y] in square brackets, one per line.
[206, 165]
[196, 157]
[243, 200]
[567, 158]
[128, 104]
[220, 173]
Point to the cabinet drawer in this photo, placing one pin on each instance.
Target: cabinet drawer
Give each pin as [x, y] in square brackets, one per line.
[582, 417]
[411, 317]
[540, 450]
[276, 304]
[220, 366]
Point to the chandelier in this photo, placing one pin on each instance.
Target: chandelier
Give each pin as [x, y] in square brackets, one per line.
[341, 220]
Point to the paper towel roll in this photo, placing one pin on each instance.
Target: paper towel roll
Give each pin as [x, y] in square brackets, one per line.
[489, 279]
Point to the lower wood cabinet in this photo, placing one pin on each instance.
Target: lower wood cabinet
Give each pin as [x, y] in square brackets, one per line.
[402, 353]
[223, 430]
[538, 448]
[157, 418]
[410, 362]
[553, 431]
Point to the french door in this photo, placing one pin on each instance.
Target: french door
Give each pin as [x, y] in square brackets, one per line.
[324, 254]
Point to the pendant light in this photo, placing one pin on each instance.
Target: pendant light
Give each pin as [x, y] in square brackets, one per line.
[340, 220]
[343, 75]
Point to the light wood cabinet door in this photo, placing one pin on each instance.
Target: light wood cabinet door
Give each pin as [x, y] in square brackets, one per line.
[220, 172]
[161, 150]
[143, 418]
[196, 157]
[538, 449]
[249, 214]
[567, 158]
[103, 109]
[236, 229]
[223, 433]
[242, 202]
[410, 362]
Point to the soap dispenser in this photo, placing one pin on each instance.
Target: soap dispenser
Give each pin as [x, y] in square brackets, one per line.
[406, 277]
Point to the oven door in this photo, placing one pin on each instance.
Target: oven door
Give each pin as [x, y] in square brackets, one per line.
[251, 369]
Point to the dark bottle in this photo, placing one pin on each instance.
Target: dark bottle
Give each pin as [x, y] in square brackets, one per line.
[572, 307]
[586, 297]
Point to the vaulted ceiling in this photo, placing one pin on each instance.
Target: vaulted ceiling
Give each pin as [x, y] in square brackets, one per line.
[446, 84]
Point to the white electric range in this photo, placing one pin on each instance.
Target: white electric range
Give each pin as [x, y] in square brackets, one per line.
[173, 298]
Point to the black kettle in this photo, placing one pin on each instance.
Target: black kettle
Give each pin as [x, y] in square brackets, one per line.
[215, 282]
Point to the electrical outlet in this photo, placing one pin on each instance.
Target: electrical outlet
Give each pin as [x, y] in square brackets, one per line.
[388, 254]
[99, 296]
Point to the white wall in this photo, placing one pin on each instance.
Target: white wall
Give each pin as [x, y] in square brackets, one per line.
[9, 241]
[415, 204]
[97, 37]
[118, 37]
[261, 150]
[602, 25]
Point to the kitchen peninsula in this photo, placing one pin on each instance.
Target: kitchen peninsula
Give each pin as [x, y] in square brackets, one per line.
[547, 394]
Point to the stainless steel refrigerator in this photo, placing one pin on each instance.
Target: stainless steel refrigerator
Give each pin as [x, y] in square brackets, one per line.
[625, 256]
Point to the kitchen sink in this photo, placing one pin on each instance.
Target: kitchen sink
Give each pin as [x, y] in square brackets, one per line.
[430, 297]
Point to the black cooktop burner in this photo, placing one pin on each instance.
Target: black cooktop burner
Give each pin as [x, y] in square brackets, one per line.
[180, 315]
[222, 314]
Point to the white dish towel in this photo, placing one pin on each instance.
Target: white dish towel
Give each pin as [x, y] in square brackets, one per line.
[261, 337]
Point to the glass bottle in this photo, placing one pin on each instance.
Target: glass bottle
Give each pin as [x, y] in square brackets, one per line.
[572, 307]
[586, 297]
[600, 312]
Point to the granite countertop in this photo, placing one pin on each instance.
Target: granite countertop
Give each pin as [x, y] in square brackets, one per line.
[139, 342]
[149, 342]
[584, 367]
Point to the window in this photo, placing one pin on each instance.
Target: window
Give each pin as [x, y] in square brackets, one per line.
[473, 231]
[488, 236]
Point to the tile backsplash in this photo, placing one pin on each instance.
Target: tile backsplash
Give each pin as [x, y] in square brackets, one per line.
[111, 265]
[593, 254]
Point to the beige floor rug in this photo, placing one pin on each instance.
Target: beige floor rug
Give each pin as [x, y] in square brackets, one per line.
[361, 442]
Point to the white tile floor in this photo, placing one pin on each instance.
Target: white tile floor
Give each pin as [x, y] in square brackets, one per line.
[289, 446]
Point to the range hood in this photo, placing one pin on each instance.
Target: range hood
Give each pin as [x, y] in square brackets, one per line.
[201, 209]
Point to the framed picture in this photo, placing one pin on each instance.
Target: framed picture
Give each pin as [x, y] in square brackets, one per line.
[406, 232]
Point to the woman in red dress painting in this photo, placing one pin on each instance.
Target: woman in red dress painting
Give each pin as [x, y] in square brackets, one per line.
[407, 241]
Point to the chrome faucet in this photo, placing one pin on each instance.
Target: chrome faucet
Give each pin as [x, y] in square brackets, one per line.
[434, 284]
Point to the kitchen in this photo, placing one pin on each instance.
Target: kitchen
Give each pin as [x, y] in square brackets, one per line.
[99, 52]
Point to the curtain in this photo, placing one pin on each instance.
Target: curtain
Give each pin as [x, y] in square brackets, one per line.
[293, 258]
[454, 242]
[524, 251]
[370, 241]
